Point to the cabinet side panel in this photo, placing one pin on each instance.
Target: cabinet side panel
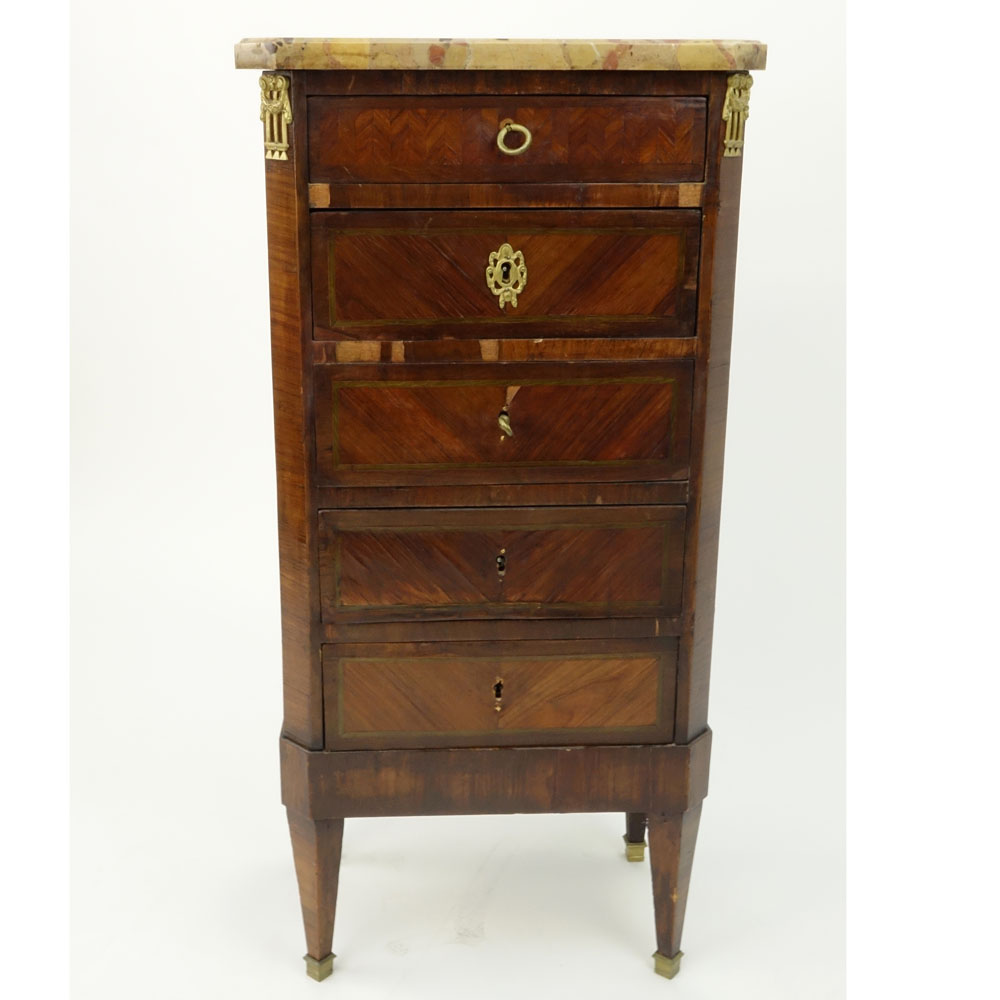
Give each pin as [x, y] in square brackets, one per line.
[715, 326]
[288, 268]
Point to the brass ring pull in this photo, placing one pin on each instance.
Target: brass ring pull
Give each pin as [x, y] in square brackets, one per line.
[507, 126]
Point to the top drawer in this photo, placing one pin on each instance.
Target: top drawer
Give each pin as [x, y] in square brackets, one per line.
[377, 140]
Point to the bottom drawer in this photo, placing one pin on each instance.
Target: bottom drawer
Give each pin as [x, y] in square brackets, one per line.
[525, 693]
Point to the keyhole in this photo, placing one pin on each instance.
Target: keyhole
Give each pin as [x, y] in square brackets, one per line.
[505, 272]
[498, 690]
[502, 562]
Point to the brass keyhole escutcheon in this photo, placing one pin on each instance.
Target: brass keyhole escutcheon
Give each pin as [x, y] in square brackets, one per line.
[506, 274]
[503, 418]
[502, 562]
[505, 425]
[498, 694]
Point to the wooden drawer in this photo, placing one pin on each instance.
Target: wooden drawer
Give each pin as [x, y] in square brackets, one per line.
[412, 276]
[447, 693]
[454, 139]
[442, 424]
[487, 563]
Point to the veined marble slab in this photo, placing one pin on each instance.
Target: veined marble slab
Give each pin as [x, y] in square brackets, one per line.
[498, 54]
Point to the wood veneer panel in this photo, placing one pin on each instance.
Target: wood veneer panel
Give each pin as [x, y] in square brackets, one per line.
[454, 139]
[502, 630]
[439, 424]
[444, 697]
[715, 317]
[494, 495]
[336, 352]
[288, 272]
[686, 194]
[403, 275]
[445, 693]
[606, 692]
[417, 85]
[556, 562]
[656, 779]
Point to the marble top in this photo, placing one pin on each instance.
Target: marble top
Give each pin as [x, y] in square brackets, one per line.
[498, 54]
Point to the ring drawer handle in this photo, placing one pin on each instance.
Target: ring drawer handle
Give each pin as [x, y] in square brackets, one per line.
[507, 126]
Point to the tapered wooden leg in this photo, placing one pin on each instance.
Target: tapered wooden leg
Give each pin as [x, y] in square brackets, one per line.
[316, 847]
[635, 836]
[671, 854]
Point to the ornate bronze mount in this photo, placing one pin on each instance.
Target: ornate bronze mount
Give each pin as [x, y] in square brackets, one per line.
[276, 114]
[736, 111]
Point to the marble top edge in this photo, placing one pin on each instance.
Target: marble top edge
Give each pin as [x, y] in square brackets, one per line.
[498, 54]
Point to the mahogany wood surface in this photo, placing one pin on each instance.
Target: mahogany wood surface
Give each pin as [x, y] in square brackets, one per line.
[567, 191]
[671, 854]
[454, 139]
[439, 424]
[663, 778]
[288, 269]
[501, 630]
[445, 693]
[399, 490]
[715, 322]
[635, 827]
[503, 495]
[555, 561]
[316, 847]
[577, 349]
[491, 699]
[552, 194]
[388, 275]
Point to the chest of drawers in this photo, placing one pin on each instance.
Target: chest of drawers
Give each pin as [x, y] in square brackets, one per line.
[501, 286]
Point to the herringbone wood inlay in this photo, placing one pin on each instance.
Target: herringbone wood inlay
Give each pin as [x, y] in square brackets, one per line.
[428, 695]
[403, 277]
[579, 693]
[379, 275]
[440, 425]
[610, 560]
[388, 140]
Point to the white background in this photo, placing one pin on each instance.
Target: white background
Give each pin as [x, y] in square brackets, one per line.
[182, 874]
[183, 882]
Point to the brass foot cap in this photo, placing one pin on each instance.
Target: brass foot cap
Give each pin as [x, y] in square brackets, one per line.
[634, 852]
[319, 968]
[668, 967]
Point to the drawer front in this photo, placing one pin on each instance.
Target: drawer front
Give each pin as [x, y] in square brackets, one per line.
[472, 694]
[412, 276]
[504, 426]
[454, 139]
[549, 562]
